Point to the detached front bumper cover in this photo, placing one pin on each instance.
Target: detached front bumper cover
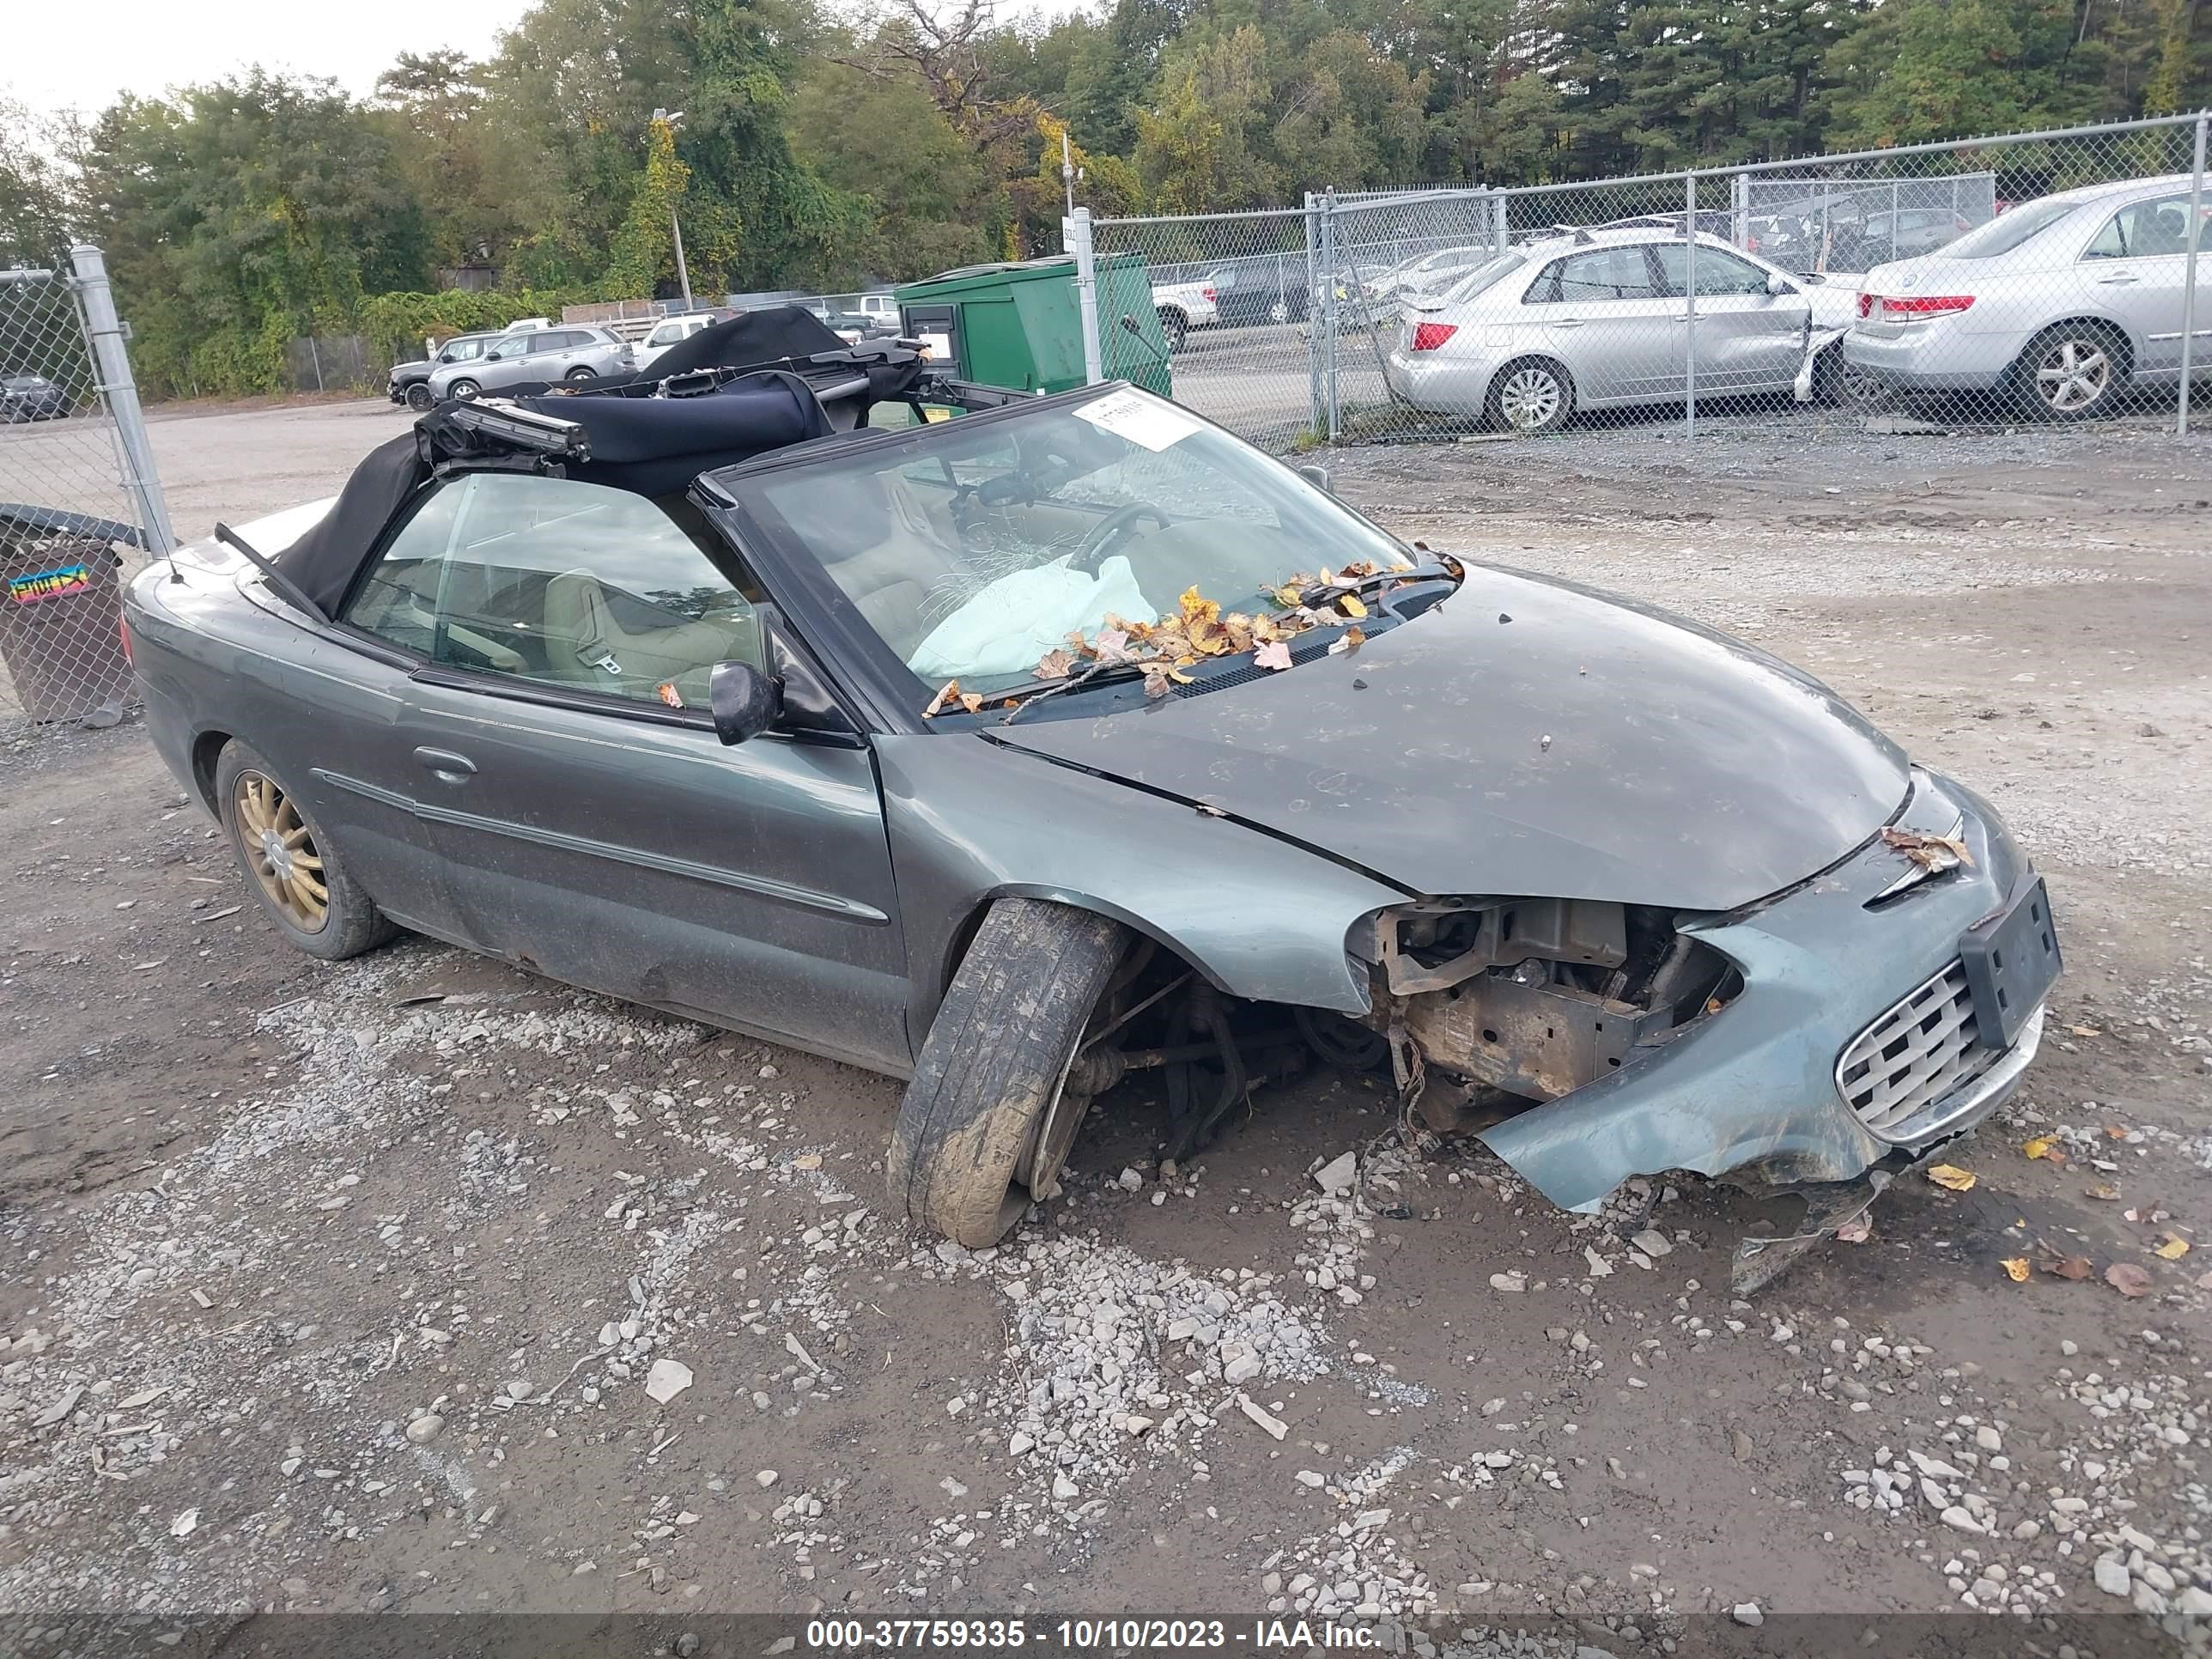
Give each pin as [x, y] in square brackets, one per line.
[1753, 1092]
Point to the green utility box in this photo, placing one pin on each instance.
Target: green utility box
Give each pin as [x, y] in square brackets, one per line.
[1019, 325]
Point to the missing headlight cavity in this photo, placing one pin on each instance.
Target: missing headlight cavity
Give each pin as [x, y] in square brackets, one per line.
[1538, 998]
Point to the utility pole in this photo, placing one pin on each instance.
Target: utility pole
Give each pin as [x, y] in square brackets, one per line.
[671, 120]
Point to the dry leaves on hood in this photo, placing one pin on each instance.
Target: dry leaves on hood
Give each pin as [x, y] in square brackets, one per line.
[1055, 666]
[1952, 1176]
[2128, 1280]
[1936, 852]
[1275, 654]
[1351, 640]
[950, 692]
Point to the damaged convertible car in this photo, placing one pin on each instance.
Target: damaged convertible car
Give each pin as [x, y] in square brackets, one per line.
[1051, 750]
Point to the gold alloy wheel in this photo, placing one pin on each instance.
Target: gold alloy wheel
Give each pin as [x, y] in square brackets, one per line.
[280, 851]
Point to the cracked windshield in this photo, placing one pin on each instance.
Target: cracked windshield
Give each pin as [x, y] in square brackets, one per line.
[998, 557]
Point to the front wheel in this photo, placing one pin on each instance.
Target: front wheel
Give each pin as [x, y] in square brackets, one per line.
[419, 397]
[1532, 396]
[295, 872]
[1841, 384]
[1174, 328]
[466, 391]
[997, 1095]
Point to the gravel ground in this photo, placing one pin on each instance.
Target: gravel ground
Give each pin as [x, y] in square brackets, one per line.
[416, 1283]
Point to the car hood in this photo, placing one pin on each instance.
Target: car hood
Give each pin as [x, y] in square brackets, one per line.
[1526, 737]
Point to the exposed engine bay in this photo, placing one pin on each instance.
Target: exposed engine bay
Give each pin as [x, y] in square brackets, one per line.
[1534, 998]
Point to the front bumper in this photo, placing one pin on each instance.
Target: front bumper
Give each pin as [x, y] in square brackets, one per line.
[1751, 1090]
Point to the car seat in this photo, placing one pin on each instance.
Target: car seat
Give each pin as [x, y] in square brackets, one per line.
[586, 646]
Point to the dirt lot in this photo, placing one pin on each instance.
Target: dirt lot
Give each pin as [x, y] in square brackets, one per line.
[345, 1287]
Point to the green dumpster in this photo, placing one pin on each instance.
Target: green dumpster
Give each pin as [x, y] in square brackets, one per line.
[1019, 325]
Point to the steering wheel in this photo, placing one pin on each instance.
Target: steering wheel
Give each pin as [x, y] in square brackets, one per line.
[1108, 531]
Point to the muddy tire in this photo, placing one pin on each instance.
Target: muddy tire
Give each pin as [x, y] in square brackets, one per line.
[290, 866]
[985, 1124]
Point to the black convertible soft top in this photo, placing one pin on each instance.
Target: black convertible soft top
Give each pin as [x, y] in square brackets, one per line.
[625, 433]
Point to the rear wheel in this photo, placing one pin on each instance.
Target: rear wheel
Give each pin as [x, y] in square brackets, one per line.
[465, 390]
[295, 872]
[999, 1090]
[1174, 328]
[581, 373]
[1532, 395]
[2072, 371]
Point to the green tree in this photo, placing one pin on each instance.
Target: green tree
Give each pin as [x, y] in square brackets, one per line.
[242, 214]
[34, 213]
[1202, 145]
[927, 198]
[1919, 70]
[436, 104]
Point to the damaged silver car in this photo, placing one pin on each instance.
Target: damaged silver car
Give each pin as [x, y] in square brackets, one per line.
[1068, 755]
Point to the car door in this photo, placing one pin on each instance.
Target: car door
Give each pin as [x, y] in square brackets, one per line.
[507, 362]
[2135, 271]
[359, 746]
[1748, 338]
[1607, 320]
[594, 828]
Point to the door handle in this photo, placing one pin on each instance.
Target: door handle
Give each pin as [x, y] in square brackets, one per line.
[445, 766]
[2117, 282]
[1567, 322]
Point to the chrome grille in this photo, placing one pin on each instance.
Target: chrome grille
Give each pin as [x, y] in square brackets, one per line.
[1914, 1056]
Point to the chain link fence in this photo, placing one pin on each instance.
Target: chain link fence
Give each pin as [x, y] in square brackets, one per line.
[2048, 277]
[81, 506]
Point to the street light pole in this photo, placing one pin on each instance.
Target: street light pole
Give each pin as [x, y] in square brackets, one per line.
[683, 276]
[675, 221]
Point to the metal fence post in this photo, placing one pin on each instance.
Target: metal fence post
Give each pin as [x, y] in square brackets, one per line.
[1317, 407]
[1075, 237]
[121, 394]
[2189, 275]
[1740, 210]
[1690, 309]
[1328, 304]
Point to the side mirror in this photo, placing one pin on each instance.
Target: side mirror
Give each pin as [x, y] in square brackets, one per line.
[1317, 476]
[745, 700]
[1777, 284]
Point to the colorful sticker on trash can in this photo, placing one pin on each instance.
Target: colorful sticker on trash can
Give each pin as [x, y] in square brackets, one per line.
[48, 584]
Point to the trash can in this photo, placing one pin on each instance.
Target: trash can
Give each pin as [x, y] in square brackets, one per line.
[1020, 325]
[61, 612]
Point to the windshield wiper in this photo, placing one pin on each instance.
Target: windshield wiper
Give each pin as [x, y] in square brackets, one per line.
[1097, 671]
[1315, 595]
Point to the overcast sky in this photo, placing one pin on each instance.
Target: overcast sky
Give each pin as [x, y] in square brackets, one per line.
[62, 56]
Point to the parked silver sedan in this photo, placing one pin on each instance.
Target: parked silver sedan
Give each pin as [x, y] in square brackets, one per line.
[532, 358]
[2058, 305]
[1597, 319]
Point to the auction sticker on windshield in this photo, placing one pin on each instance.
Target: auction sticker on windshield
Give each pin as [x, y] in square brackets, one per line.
[1141, 420]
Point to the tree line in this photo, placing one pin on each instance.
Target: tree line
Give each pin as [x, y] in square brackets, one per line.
[822, 152]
